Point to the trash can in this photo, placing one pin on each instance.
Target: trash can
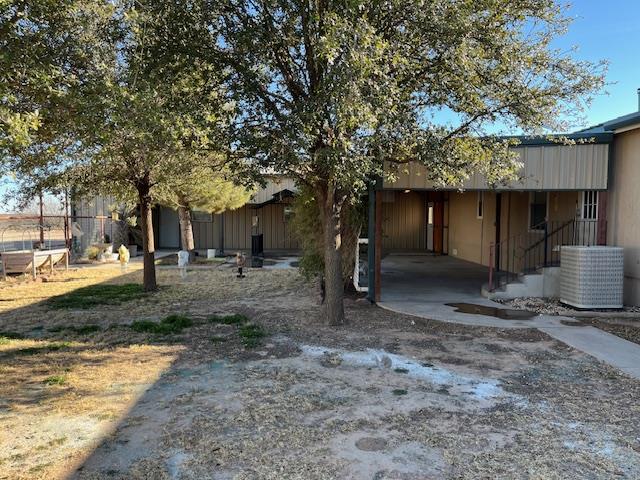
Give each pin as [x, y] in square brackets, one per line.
[257, 248]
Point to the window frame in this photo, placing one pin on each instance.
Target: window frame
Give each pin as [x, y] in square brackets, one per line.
[201, 217]
[529, 204]
[592, 205]
[480, 205]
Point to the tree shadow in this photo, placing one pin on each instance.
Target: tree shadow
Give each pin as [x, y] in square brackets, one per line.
[76, 356]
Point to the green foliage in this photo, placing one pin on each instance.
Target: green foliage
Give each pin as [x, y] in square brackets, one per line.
[203, 189]
[93, 252]
[251, 335]
[6, 337]
[55, 380]
[234, 319]
[166, 326]
[94, 295]
[50, 52]
[307, 226]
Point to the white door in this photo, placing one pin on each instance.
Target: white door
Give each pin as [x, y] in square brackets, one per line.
[430, 226]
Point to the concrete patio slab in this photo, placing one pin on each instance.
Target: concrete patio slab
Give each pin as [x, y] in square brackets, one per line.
[423, 285]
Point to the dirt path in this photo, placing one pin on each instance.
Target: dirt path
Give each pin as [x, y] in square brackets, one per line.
[386, 397]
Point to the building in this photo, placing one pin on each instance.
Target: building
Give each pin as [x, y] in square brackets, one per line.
[623, 201]
[268, 213]
[581, 194]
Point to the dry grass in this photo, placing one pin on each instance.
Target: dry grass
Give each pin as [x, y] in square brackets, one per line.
[230, 394]
[75, 368]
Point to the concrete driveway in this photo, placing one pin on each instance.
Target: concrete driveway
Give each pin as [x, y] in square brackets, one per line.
[424, 285]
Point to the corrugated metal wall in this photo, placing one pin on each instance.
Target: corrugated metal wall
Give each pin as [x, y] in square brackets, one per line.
[404, 221]
[238, 229]
[274, 185]
[546, 167]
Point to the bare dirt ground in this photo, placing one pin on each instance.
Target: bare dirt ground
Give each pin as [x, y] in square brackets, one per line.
[84, 395]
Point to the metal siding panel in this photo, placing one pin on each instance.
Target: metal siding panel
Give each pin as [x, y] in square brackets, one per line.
[550, 167]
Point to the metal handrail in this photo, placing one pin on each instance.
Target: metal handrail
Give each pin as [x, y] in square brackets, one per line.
[525, 254]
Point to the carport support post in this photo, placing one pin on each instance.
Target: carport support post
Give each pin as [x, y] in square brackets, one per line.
[374, 234]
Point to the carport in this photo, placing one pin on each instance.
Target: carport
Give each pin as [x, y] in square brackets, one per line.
[424, 285]
[430, 278]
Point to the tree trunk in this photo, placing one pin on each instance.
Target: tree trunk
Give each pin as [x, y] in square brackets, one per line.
[186, 229]
[148, 244]
[330, 210]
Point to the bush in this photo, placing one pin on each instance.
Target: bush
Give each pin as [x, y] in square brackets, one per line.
[251, 335]
[93, 252]
[307, 227]
[235, 319]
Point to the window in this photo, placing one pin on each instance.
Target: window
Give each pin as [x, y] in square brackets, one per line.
[203, 217]
[480, 205]
[537, 210]
[288, 214]
[589, 209]
[430, 215]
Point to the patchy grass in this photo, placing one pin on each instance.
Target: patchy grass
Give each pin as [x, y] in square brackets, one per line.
[55, 380]
[399, 391]
[11, 335]
[48, 347]
[166, 326]
[218, 339]
[235, 319]
[79, 330]
[95, 295]
[251, 335]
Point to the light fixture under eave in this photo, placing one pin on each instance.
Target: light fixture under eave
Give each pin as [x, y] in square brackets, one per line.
[407, 191]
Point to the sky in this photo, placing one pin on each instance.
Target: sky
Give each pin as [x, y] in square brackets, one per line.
[609, 30]
[601, 30]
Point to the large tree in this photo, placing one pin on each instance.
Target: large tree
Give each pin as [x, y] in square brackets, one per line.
[49, 50]
[330, 91]
[203, 189]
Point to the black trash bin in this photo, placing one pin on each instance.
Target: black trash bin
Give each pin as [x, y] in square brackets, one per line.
[257, 245]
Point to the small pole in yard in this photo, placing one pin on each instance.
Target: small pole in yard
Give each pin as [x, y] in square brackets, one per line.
[67, 241]
[41, 201]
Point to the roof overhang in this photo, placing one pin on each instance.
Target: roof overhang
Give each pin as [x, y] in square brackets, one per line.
[558, 139]
[277, 197]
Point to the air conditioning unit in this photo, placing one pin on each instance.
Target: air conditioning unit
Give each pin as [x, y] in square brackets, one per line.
[591, 277]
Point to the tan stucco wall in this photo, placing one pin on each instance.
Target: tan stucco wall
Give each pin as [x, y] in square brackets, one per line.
[469, 236]
[623, 215]
[472, 237]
